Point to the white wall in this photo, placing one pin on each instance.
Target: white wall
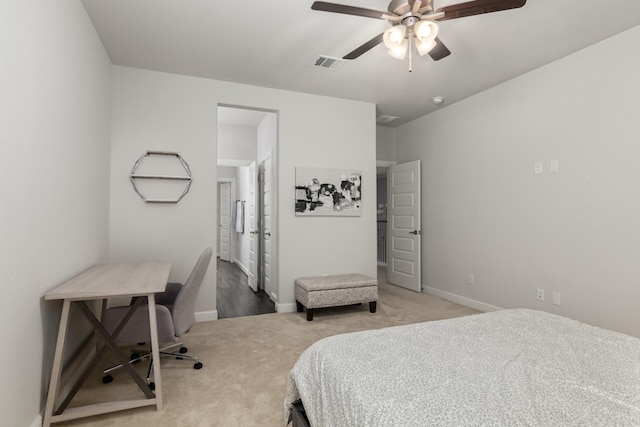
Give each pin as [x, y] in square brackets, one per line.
[155, 111]
[237, 142]
[54, 179]
[160, 111]
[385, 144]
[227, 172]
[267, 136]
[576, 232]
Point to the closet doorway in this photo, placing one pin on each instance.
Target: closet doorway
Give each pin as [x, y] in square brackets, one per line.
[247, 142]
[381, 217]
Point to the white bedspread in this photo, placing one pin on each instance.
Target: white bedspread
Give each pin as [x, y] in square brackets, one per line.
[505, 368]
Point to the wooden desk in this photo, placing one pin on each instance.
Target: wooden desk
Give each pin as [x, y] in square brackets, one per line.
[99, 283]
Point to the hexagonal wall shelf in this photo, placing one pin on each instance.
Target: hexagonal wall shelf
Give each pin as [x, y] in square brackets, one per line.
[137, 179]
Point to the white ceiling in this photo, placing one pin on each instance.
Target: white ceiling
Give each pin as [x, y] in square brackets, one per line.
[240, 116]
[274, 44]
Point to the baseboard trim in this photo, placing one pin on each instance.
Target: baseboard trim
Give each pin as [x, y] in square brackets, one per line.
[37, 422]
[458, 299]
[206, 316]
[241, 266]
[286, 308]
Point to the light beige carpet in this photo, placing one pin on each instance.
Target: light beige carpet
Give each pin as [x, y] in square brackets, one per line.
[247, 361]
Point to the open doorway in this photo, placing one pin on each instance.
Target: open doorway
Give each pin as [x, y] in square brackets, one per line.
[381, 224]
[246, 140]
[399, 232]
[381, 216]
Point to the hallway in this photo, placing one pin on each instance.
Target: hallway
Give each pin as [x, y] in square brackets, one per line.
[234, 296]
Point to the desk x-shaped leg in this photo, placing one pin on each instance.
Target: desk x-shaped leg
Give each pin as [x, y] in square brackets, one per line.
[109, 344]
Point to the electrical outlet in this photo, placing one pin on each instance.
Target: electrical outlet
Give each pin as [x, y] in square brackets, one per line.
[540, 295]
[538, 167]
[554, 166]
[556, 298]
[471, 280]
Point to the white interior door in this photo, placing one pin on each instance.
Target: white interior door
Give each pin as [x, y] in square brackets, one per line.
[225, 220]
[253, 229]
[267, 218]
[403, 226]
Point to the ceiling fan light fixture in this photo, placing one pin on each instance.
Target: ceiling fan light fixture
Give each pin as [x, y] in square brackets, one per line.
[395, 36]
[399, 51]
[415, 20]
[424, 47]
[425, 30]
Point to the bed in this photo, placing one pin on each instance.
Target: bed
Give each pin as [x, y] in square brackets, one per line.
[511, 368]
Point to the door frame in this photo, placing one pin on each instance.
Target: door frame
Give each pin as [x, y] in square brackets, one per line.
[382, 164]
[232, 237]
[412, 282]
[275, 199]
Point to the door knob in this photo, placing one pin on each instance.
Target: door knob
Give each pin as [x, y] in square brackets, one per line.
[416, 232]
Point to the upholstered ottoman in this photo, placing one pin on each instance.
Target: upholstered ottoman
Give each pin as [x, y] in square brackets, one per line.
[332, 291]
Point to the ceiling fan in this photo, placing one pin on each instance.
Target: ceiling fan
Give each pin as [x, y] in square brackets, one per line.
[414, 22]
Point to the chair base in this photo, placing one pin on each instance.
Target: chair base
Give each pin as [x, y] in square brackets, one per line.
[138, 355]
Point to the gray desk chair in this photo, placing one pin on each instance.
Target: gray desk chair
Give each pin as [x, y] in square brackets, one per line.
[175, 313]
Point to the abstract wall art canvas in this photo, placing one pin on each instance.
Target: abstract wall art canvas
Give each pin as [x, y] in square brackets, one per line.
[328, 192]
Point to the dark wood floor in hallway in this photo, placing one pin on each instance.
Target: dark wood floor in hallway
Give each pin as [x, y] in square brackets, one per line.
[235, 298]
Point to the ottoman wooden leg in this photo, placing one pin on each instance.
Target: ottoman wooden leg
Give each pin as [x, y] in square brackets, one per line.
[309, 314]
[372, 306]
[299, 306]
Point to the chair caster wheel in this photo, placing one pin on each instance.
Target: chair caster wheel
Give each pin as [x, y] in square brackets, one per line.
[197, 365]
[183, 350]
[152, 385]
[107, 379]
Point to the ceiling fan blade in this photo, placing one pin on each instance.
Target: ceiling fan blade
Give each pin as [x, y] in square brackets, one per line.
[365, 47]
[478, 7]
[348, 10]
[416, 6]
[439, 51]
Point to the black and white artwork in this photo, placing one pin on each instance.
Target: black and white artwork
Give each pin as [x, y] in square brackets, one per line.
[328, 192]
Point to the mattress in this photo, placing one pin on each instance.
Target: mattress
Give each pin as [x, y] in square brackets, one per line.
[512, 368]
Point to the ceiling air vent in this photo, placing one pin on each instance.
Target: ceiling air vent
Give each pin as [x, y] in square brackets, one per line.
[386, 119]
[328, 62]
